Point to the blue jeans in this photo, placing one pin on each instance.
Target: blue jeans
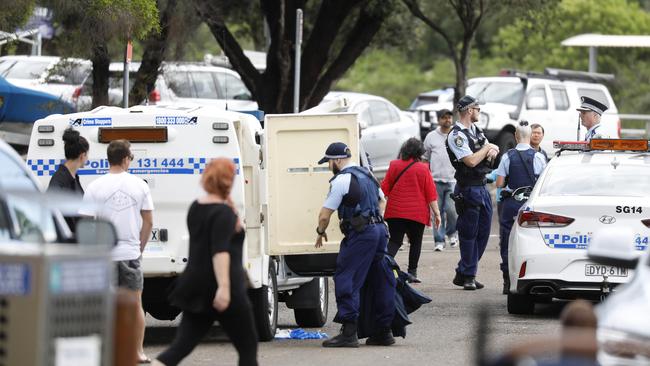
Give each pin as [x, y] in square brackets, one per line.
[447, 211]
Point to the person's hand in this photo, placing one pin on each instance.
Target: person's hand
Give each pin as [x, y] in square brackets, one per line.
[492, 154]
[493, 147]
[436, 219]
[221, 299]
[319, 240]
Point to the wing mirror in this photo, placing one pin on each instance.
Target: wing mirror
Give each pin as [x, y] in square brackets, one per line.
[96, 232]
[522, 194]
[614, 247]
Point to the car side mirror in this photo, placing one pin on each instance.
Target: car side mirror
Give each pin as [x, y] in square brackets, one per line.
[243, 96]
[536, 103]
[614, 247]
[96, 232]
[522, 194]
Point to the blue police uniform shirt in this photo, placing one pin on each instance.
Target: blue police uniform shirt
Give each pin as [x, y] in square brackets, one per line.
[458, 143]
[539, 163]
[592, 132]
[341, 188]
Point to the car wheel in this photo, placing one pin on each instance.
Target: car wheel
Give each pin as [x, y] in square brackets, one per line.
[315, 317]
[520, 304]
[265, 307]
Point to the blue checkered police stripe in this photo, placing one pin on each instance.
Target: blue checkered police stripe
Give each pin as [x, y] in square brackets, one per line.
[171, 166]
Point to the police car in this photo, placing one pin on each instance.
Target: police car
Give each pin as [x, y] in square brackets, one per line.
[588, 186]
[278, 191]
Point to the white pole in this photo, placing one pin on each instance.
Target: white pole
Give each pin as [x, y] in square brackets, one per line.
[296, 75]
[593, 63]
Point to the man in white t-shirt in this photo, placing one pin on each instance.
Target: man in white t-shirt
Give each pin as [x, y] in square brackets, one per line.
[125, 200]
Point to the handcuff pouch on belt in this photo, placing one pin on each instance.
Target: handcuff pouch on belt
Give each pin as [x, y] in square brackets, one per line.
[459, 202]
[357, 223]
[505, 194]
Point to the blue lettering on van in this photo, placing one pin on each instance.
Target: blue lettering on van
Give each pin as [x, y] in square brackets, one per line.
[176, 120]
[581, 241]
[94, 121]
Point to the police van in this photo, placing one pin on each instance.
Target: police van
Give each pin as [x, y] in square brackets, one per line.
[278, 191]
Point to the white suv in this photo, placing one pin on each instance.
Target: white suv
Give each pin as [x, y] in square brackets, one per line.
[549, 99]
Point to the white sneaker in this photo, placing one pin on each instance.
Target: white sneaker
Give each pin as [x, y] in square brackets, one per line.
[439, 247]
[453, 241]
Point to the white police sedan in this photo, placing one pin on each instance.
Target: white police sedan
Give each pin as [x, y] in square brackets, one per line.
[605, 182]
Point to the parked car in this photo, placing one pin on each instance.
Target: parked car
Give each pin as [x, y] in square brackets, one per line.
[53, 75]
[578, 193]
[549, 99]
[177, 82]
[384, 127]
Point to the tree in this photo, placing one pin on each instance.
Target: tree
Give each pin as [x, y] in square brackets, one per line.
[341, 31]
[15, 13]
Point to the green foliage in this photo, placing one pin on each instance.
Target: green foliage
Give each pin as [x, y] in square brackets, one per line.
[15, 13]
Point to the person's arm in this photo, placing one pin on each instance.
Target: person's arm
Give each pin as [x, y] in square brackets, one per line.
[323, 222]
[501, 171]
[221, 268]
[433, 206]
[501, 181]
[432, 197]
[427, 149]
[477, 157]
[145, 231]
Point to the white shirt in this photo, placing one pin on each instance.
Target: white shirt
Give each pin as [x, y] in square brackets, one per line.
[120, 198]
[436, 154]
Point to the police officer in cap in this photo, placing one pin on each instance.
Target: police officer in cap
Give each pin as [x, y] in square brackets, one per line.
[472, 156]
[590, 112]
[355, 194]
[521, 167]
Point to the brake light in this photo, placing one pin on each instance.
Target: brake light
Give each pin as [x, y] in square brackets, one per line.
[76, 94]
[646, 222]
[154, 96]
[541, 219]
[522, 270]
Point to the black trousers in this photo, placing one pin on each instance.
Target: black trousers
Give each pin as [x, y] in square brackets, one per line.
[237, 321]
[414, 230]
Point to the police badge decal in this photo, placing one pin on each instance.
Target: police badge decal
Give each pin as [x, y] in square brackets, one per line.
[458, 141]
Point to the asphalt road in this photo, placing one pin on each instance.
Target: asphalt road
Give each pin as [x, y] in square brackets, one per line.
[443, 332]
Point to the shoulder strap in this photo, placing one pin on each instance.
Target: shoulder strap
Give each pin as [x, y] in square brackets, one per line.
[531, 176]
[402, 172]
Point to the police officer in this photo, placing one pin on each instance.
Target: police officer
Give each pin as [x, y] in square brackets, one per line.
[355, 194]
[590, 112]
[472, 156]
[521, 167]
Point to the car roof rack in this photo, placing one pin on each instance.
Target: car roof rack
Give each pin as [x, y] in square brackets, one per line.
[598, 144]
[560, 74]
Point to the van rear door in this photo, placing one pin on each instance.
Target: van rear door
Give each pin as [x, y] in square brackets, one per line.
[297, 185]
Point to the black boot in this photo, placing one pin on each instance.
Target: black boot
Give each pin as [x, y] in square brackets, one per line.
[506, 283]
[459, 279]
[347, 337]
[382, 337]
[413, 276]
[469, 283]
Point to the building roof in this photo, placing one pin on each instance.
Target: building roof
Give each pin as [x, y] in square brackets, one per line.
[607, 40]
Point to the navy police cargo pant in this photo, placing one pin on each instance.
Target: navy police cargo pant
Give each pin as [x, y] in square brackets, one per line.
[473, 227]
[356, 261]
[507, 219]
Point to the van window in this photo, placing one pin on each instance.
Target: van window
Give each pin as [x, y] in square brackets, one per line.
[364, 112]
[34, 224]
[560, 97]
[536, 99]
[597, 94]
[232, 87]
[496, 92]
[179, 83]
[380, 112]
[204, 85]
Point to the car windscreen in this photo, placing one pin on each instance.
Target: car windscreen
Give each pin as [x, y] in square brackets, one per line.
[68, 71]
[596, 180]
[27, 70]
[496, 92]
[14, 176]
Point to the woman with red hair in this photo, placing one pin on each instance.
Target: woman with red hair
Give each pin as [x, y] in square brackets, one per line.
[213, 285]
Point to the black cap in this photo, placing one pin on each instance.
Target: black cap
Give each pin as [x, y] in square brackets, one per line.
[443, 112]
[590, 104]
[336, 150]
[466, 102]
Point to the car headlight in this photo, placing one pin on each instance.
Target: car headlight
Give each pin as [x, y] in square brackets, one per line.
[622, 348]
[483, 120]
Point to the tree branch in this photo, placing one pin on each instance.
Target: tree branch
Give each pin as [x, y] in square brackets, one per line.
[415, 9]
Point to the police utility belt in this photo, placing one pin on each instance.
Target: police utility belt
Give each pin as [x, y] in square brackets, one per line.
[358, 223]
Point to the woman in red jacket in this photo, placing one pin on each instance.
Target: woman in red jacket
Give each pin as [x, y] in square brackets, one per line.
[412, 196]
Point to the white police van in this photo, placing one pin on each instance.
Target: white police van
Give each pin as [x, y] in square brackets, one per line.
[278, 191]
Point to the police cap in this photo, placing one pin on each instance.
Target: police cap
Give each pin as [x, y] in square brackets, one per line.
[590, 104]
[336, 150]
[466, 103]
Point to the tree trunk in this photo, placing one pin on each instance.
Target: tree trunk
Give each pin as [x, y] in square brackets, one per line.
[101, 60]
[154, 53]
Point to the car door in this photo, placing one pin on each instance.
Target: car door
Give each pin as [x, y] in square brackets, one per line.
[380, 136]
[537, 109]
[563, 122]
[297, 185]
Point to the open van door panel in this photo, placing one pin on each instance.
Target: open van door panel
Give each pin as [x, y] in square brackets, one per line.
[297, 185]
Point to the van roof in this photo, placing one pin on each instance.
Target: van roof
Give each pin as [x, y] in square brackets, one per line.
[164, 109]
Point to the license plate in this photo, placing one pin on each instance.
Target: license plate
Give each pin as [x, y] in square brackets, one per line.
[599, 270]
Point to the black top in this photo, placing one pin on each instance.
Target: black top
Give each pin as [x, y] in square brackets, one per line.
[62, 180]
[212, 230]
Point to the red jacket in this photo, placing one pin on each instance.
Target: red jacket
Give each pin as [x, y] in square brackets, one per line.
[410, 197]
